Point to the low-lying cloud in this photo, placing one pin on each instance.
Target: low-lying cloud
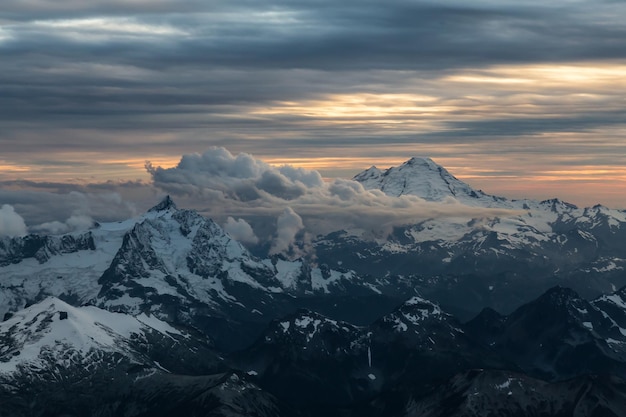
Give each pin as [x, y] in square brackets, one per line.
[296, 200]
[282, 209]
[288, 225]
[61, 208]
[240, 230]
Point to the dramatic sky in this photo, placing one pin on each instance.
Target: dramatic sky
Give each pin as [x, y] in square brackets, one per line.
[521, 99]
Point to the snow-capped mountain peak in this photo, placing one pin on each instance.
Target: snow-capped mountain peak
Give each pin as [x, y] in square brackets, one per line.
[419, 322]
[166, 204]
[53, 331]
[306, 328]
[421, 177]
[415, 314]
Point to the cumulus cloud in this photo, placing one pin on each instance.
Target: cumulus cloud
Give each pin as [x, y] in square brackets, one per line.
[241, 177]
[11, 223]
[289, 224]
[240, 230]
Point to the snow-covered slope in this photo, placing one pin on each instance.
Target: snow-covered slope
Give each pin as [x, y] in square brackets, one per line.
[52, 337]
[164, 252]
[178, 253]
[426, 179]
[176, 264]
[420, 322]
[72, 271]
[56, 359]
[551, 241]
[184, 268]
[66, 266]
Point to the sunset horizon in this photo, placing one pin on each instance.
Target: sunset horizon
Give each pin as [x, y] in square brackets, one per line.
[520, 101]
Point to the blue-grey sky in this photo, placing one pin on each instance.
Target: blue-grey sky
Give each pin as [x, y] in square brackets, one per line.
[521, 99]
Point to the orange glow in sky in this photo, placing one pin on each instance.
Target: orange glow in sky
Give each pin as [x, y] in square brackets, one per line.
[580, 163]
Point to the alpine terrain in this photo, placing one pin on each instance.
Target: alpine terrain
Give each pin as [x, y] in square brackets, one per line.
[515, 314]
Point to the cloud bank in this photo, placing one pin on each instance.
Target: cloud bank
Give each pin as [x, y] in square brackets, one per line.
[297, 201]
[62, 208]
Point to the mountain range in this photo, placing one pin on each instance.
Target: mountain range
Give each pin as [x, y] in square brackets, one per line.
[518, 314]
[497, 261]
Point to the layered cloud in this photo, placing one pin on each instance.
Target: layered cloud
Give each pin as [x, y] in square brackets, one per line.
[91, 89]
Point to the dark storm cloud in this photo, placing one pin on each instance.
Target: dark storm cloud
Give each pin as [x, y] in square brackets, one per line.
[318, 35]
[328, 35]
[171, 54]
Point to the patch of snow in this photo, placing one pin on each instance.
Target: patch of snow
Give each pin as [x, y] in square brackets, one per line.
[400, 326]
[615, 299]
[310, 324]
[318, 282]
[288, 272]
[611, 266]
[156, 324]
[393, 247]
[506, 384]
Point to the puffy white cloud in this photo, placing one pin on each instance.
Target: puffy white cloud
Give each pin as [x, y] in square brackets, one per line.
[240, 177]
[288, 225]
[240, 230]
[11, 223]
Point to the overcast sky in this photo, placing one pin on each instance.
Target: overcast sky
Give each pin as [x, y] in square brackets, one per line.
[521, 99]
